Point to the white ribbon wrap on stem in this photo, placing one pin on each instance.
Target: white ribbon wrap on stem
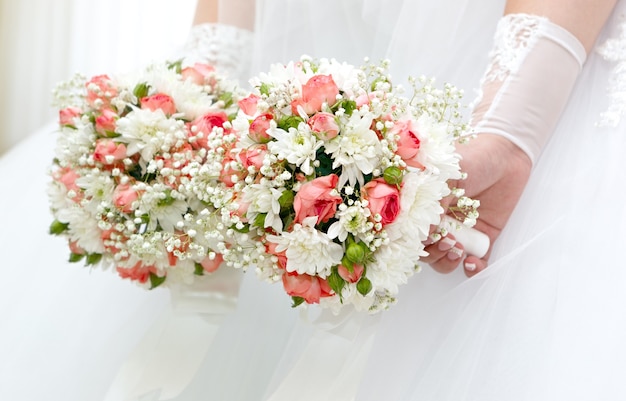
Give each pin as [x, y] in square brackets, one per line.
[171, 352]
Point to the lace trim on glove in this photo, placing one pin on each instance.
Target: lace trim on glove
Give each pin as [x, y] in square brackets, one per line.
[226, 47]
[614, 50]
[515, 35]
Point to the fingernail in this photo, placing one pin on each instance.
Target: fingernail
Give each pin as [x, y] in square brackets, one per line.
[446, 244]
[455, 253]
[470, 267]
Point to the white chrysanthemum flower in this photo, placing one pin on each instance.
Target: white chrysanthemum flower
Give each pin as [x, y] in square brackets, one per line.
[263, 199]
[356, 149]
[83, 228]
[308, 250]
[352, 220]
[148, 132]
[437, 151]
[392, 266]
[98, 187]
[419, 208]
[297, 146]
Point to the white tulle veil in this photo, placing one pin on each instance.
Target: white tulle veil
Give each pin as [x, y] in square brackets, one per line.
[513, 332]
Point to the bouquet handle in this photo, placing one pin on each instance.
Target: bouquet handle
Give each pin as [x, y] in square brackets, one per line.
[475, 242]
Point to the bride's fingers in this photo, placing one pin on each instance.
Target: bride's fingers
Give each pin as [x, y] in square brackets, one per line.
[445, 255]
[473, 265]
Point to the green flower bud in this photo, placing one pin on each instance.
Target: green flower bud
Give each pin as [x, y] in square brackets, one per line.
[393, 175]
[355, 253]
[364, 286]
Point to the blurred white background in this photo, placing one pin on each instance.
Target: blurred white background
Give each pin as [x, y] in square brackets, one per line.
[43, 42]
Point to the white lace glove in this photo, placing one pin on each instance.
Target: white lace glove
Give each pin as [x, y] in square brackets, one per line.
[533, 67]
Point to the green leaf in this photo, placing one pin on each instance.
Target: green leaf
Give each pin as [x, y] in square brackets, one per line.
[156, 281]
[76, 257]
[141, 90]
[296, 301]
[346, 104]
[199, 270]
[259, 220]
[227, 98]
[289, 122]
[176, 65]
[57, 227]
[264, 89]
[364, 286]
[93, 258]
[325, 164]
[286, 199]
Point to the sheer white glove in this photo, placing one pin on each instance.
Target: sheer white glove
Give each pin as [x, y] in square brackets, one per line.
[533, 67]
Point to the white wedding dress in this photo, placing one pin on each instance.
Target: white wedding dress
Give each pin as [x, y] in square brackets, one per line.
[544, 322]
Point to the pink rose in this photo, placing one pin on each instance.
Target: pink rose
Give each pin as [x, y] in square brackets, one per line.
[108, 152]
[317, 197]
[159, 101]
[248, 104]
[383, 199]
[202, 126]
[242, 210]
[258, 128]
[408, 142]
[124, 196]
[253, 156]
[105, 122]
[138, 272]
[68, 177]
[230, 174]
[320, 89]
[199, 74]
[324, 126]
[100, 91]
[351, 277]
[210, 265]
[311, 288]
[67, 115]
[76, 249]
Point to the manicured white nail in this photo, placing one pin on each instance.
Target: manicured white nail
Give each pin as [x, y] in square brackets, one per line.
[470, 267]
[455, 253]
[446, 244]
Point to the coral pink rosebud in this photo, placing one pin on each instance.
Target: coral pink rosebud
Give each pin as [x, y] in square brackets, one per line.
[199, 74]
[242, 210]
[317, 197]
[68, 177]
[383, 199]
[159, 101]
[258, 128]
[106, 121]
[124, 196]
[100, 91]
[311, 288]
[408, 142]
[324, 126]
[320, 89]
[231, 174]
[202, 126]
[109, 152]
[249, 104]
[67, 115]
[138, 272]
[210, 265]
[282, 256]
[351, 276]
[253, 156]
[76, 249]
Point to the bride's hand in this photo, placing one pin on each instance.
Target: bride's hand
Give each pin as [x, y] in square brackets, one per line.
[497, 174]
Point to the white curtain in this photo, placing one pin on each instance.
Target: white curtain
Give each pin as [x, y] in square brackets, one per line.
[43, 42]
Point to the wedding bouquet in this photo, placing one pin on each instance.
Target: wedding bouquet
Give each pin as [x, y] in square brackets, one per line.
[336, 179]
[132, 168]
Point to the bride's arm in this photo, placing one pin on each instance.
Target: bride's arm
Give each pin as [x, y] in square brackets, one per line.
[222, 36]
[520, 106]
